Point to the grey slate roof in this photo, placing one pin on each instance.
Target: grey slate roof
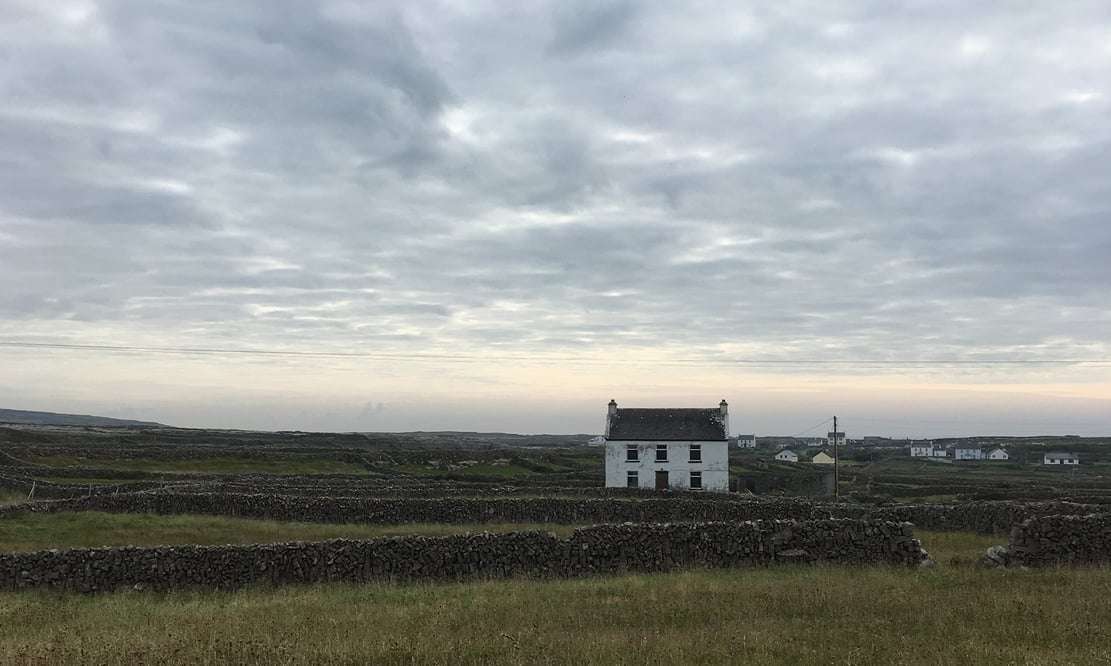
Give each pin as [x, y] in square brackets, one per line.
[700, 425]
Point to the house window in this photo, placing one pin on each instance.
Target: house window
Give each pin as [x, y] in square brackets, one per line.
[632, 454]
[632, 480]
[696, 453]
[661, 453]
[696, 480]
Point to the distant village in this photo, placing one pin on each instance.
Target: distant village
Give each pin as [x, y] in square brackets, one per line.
[689, 448]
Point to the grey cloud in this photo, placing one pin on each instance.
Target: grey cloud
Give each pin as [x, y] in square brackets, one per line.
[822, 178]
[580, 26]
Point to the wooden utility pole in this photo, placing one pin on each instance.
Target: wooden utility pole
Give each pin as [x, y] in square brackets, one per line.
[836, 475]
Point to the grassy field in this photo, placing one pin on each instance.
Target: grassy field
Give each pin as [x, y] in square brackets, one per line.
[481, 469]
[210, 465]
[790, 614]
[78, 481]
[90, 529]
[8, 497]
[796, 615]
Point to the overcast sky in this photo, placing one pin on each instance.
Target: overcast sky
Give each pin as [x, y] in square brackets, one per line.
[509, 213]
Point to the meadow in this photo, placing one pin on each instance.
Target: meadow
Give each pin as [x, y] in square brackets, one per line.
[790, 614]
[793, 614]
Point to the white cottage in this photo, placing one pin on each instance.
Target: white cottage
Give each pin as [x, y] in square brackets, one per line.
[999, 454]
[668, 448]
[787, 455]
[746, 441]
[1058, 458]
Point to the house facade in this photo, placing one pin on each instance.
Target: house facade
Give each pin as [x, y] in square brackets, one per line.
[921, 450]
[787, 455]
[968, 453]
[998, 454]
[681, 449]
[836, 439]
[1059, 458]
[746, 441]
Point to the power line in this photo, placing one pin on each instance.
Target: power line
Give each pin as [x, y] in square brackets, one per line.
[470, 357]
[813, 427]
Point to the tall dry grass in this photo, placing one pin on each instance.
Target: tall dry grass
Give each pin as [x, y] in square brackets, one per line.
[789, 615]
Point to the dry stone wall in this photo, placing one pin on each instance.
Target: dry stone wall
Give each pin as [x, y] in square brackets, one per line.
[602, 549]
[981, 517]
[1055, 540]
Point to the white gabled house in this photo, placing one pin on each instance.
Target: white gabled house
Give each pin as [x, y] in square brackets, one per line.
[787, 455]
[746, 441]
[998, 454]
[683, 449]
[1058, 458]
[835, 439]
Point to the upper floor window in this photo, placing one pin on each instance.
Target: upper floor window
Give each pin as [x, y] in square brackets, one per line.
[696, 453]
[632, 454]
[661, 453]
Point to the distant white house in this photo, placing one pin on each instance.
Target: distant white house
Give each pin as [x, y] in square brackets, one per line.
[822, 458]
[998, 454]
[787, 455]
[836, 439]
[968, 453]
[939, 452]
[600, 440]
[1058, 458]
[921, 449]
[746, 441]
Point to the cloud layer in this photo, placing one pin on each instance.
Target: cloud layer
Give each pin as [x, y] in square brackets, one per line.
[597, 181]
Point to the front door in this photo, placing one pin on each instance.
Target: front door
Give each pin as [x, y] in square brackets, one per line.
[661, 480]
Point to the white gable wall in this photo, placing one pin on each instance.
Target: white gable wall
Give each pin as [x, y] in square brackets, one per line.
[714, 465]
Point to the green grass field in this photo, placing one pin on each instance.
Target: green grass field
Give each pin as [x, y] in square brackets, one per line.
[79, 481]
[481, 469]
[789, 615]
[210, 465]
[40, 531]
[799, 615]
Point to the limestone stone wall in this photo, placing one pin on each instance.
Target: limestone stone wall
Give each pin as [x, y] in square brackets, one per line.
[981, 517]
[1056, 540]
[602, 549]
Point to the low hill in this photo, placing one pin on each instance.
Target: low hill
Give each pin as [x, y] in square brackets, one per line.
[23, 417]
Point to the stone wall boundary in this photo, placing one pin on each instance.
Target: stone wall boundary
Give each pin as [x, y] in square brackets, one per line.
[588, 551]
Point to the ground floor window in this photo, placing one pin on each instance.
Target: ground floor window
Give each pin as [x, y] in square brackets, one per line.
[632, 480]
[696, 480]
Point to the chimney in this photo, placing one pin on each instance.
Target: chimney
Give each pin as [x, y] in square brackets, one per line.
[724, 407]
[609, 416]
